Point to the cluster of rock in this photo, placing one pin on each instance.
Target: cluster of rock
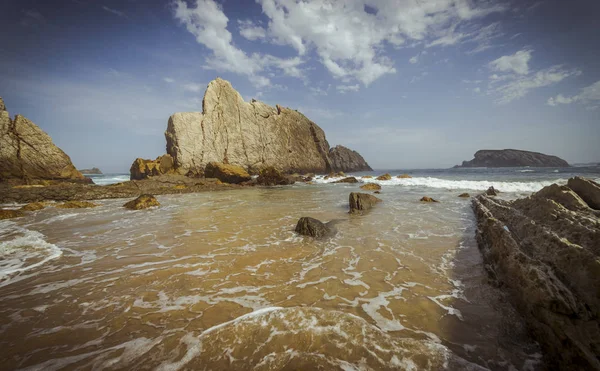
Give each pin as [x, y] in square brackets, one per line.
[545, 250]
[28, 155]
[513, 158]
[252, 135]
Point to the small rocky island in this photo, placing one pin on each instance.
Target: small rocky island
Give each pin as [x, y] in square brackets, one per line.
[512, 158]
[92, 171]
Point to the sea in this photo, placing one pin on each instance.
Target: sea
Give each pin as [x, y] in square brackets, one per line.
[220, 280]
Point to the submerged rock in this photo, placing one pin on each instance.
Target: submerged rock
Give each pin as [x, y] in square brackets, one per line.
[513, 158]
[308, 226]
[226, 173]
[9, 214]
[545, 250]
[384, 177]
[34, 206]
[427, 199]
[76, 205]
[492, 191]
[360, 202]
[350, 179]
[370, 187]
[367, 177]
[270, 176]
[464, 195]
[142, 202]
[587, 189]
[404, 176]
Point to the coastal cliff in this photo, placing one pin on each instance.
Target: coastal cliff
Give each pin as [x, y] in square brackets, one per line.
[27, 153]
[253, 135]
[513, 158]
[545, 251]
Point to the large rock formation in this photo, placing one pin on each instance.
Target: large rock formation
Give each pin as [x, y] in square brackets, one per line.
[545, 250]
[513, 158]
[28, 154]
[142, 168]
[252, 135]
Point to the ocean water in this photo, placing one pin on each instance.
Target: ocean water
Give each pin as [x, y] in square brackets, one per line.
[219, 280]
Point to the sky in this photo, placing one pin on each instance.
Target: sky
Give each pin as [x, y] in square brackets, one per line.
[407, 83]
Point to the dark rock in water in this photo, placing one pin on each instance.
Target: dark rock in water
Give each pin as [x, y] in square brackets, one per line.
[404, 176]
[308, 226]
[385, 176]
[350, 179]
[345, 159]
[270, 176]
[545, 251]
[143, 202]
[92, 171]
[464, 195]
[427, 199]
[9, 214]
[587, 189]
[371, 187]
[360, 202]
[76, 205]
[492, 191]
[226, 173]
[28, 154]
[377, 192]
[142, 169]
[513, 158]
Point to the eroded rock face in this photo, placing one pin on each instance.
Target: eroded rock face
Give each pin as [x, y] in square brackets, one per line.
[142, 169]
[248, 134]
[513, 158]
[545, 249]
[28, 154]
[312, 227]
[226, 173]
[345, 159]
[587, 189]
[360, 202]
[271, 176]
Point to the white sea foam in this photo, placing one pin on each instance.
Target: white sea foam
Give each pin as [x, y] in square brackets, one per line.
[110, 179]
[479, 185]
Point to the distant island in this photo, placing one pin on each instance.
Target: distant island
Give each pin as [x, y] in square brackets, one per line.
[92, 171]
[512, 158]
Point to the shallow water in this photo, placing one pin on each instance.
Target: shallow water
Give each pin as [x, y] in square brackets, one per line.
[220, 281]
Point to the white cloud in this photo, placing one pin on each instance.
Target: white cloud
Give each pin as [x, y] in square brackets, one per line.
[250, 31]
[589, 96]
[194, 88]
[477, 90]
[346, 88]
[115, 12]
[414, 59]
[168, 80]
[518, 63]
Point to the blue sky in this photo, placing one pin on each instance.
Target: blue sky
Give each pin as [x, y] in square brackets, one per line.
[407, 83]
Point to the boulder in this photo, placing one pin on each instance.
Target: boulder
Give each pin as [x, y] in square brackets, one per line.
[377, 192]
[492, 191]
[404, 176]
[251, 134]
[9, 214]
[345, 159]
[464, 195]
[384, 177]
[587, 189]
[312, 227]
[142, 169]
[28, 154]
[34, 206]
[427, 199]
[360, 202]
[367, 177]
[142, 202]
[270, 176]
[226, 173]
[76, 205]
[370, 187]
[544, 250]
[350, 179]
[513, 158]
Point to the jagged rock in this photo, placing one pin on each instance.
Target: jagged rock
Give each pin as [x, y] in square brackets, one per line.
[9, 214]
[513, 158]
[248, 134]
[27, 153]
[92, 171]
[545, 251]
[308, 226]
[226, 173]
[492, 191]
[349, 179]
[360, 202]
[427, 199]
[587, 189]
[142, 202]
[76, 205]
[370, 187]
[464, 195]
[271, 176]
[404, 176]
[384, 177]
[345, 159]
[34, 206]
[142, 169]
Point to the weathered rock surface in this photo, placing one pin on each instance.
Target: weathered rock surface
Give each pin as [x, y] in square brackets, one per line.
[76, 205]
[349, 179]
[587, 189]
[92, 171]
[142, 202]
[312, 227]
[270, 176]
[345, 159]
[28, 154]
[427, 199]
[249, 134]
[545, 250]
[371, 187]
[34, 206]
[9, 214]
[385, 176]
[513, 158]
[142, 169]
[226, 173]
[360, 202]
[492, 191]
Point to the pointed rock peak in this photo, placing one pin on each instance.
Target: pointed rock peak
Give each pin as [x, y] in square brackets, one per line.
[2, 106]
[218, 90]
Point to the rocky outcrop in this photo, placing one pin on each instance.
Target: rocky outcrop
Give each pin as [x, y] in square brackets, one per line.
[226, 173]
[361, 202]
[142, 202]
[142, 169]
[249, 134]
[491, 191]
[27, 153]
[427, 199]
[545, 251]
[312, 227]
[76, 205]
[385, 176]
[34, 206]
[345, 159]
[349, 179]
[513, 158]
[92, 171]
[588, 190]
[271, 176]
[371, 187]
[9, 214]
